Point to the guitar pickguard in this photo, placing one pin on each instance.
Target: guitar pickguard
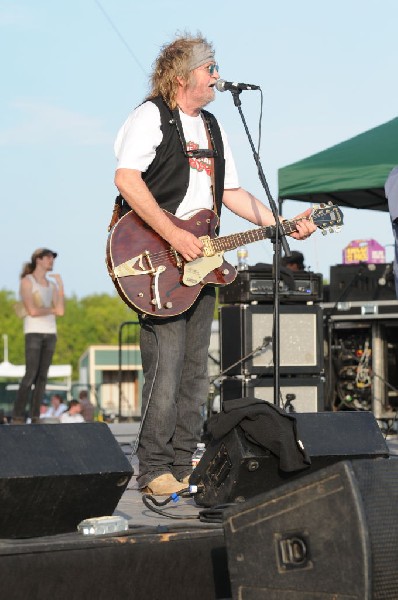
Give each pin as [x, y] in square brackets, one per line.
[196, 270]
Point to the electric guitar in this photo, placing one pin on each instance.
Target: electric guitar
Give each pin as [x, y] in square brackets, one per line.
[152, 278]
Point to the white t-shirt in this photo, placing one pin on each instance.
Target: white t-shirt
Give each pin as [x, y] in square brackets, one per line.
[67, 418]
[140, 135]
[54, 412]
[43, 298]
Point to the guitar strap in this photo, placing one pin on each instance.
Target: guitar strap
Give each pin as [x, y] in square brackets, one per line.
[211, 147]
[117, 212]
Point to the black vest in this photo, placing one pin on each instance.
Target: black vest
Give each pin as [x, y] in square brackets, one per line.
[167, 177]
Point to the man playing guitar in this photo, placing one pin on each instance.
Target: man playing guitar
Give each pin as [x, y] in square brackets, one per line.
[174, 156]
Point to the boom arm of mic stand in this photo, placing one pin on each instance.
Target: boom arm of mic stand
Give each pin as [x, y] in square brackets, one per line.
[240, 361]
[279, 237]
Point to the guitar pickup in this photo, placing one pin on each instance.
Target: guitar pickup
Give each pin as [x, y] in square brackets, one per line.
[208, 249]
[130, 267]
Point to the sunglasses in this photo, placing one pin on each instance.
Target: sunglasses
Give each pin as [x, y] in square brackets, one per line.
[211, 68]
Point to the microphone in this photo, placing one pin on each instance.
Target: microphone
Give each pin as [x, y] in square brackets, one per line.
[231, 86]
[267, 341]
[383, 278]
[288, 404]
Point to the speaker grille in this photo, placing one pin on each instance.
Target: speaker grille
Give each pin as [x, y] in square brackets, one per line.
[54, 476]
[308, 392]
[244, 330]
[298, 339]
[330, 534]
[378, 483]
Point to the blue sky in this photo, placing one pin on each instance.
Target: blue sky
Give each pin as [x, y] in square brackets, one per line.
[327, 71]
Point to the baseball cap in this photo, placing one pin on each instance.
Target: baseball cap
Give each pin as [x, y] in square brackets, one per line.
[40, 252]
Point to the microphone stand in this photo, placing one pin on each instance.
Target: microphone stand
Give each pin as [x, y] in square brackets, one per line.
[280, 238]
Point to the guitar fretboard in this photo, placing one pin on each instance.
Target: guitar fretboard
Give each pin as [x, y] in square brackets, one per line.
[230, 242]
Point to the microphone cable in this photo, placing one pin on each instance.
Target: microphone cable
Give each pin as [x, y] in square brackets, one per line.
[211, 515]
[152, 503]
[137, 440]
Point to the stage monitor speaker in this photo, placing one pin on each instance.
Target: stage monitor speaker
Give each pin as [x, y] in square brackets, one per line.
[299, 394]
[244, 329]
[330, 535]
[54, 476]
[234, 469]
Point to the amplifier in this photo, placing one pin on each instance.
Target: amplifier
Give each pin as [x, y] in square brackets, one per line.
[258, 286]
[245, 328]
[362, 282]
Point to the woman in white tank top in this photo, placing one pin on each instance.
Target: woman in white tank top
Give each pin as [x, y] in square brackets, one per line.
[43, 301]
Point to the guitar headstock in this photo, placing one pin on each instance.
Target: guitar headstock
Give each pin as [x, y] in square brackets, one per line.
[327, 217]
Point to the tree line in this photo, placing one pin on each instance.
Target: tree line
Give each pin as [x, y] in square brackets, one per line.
[91, 320]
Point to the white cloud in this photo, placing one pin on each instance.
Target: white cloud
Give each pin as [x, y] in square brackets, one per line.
[42, 123]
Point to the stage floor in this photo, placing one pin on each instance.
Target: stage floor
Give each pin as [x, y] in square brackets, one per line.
[131, 506]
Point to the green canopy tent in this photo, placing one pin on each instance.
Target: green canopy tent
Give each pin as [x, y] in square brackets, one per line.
[351, 174]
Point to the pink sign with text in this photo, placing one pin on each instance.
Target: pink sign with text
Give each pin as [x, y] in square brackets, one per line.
[368, 251]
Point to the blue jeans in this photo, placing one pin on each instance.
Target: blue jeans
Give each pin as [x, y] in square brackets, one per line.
[39, 350]
[174, 356]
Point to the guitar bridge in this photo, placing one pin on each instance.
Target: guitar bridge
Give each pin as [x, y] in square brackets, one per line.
[130, 266]
[177, 258]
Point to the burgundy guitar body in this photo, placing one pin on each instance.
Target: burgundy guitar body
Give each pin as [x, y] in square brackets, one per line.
[155, 285]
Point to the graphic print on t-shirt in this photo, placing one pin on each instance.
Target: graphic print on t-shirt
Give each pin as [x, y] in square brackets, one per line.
[200, 164]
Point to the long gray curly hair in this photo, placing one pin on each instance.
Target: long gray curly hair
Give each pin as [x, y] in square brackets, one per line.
[175, 60]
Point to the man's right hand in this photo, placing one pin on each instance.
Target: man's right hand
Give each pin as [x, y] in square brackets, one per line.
[186, 243]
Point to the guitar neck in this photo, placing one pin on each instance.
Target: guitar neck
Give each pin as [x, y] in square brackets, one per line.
[231, 242]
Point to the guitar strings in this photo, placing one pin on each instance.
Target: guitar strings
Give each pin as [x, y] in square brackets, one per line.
[219, 243]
